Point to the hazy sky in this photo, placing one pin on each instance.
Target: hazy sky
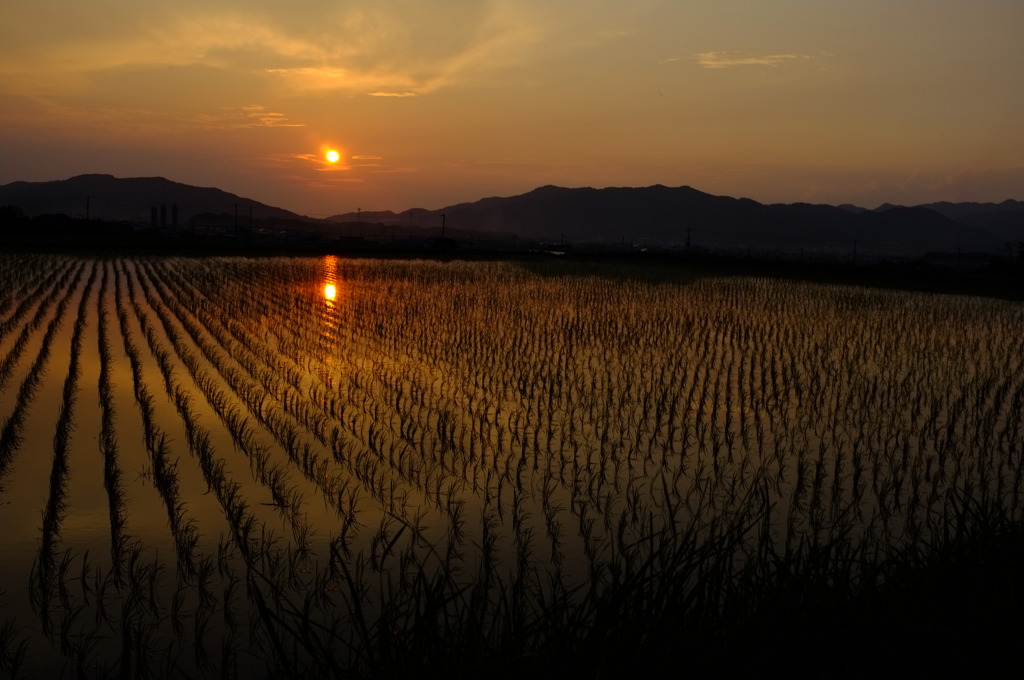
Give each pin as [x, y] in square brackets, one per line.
[433, 102]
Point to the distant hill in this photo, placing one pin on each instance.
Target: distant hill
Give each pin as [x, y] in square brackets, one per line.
[655, 216]
[132, 199]
[673, 216]
[1005, 220]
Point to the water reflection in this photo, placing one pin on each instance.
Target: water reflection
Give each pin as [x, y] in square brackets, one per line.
[329, 265]
[331, 290]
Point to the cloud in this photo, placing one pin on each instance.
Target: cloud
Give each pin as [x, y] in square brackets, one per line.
[419, 55]
[250, 116]
[330, 78]
[377, 47]
[320, 163]
[128, 121]
[720, 60]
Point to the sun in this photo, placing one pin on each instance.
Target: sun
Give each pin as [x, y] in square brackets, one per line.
[333, 156]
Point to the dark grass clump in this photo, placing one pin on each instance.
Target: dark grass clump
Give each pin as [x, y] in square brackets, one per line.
[704, 599]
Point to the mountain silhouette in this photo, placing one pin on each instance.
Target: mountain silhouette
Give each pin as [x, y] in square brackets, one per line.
[1004, 219]
[131, 199]
[655, 216]
[673, 216]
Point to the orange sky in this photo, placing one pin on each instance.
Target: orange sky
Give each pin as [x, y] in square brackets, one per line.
[433, 103]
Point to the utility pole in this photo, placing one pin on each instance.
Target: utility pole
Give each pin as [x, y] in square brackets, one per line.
[442, 224]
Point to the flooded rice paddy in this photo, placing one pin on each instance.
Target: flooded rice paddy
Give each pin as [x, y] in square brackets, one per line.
[218, 467]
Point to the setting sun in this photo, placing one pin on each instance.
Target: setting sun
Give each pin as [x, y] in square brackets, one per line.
[333, 156]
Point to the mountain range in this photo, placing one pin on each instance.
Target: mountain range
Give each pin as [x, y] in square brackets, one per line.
[666, 216]
[655, 216]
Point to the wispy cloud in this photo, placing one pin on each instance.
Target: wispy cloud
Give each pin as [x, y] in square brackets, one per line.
[320, 163]
[250, 116]
[720, 60]
[332, 78]
[399, 48]
[409, 59]
[131, 121]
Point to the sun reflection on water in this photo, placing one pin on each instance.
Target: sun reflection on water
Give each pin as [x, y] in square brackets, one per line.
[330, 289]
[330, 279]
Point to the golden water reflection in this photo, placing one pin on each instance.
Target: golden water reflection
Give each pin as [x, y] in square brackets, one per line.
[330, 287]
[329, 267]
